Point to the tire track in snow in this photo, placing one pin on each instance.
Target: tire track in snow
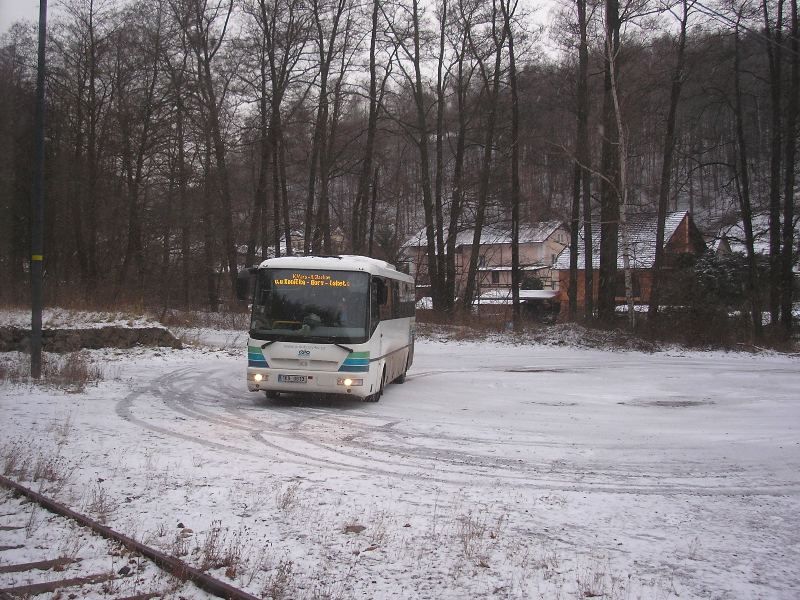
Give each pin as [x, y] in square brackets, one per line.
[201, 399]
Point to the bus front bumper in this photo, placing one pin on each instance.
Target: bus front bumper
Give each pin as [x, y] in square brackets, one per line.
[312, 382]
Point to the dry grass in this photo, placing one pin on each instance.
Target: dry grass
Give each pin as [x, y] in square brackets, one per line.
[179, 546]
[102, 504]
[281, 581]
[233, 319]
[72, 372]
[288, 498]
[47, 467]
[221, 549]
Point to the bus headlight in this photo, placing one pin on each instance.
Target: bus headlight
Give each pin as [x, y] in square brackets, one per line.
[348, 382]
[258, 377]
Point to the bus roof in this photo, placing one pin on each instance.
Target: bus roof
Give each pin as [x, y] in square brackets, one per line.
[344, 262]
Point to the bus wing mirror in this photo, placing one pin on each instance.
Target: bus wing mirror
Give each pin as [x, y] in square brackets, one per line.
[243, 284]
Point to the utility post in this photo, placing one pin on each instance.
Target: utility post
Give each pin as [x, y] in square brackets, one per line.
[37, 204]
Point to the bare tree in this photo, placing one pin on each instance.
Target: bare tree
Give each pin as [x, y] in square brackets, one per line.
[175, 63]
[206, 24]
[790, 137]
[360, 206]
[405, 25]
[284, 31]
[678, 77]
[465, 67]
[610, 183]
[742, 175]
[509, 9]
[137, 108]
[85, 50]
[774, 35]
[327, 21]
[491, 46]
[582, 178]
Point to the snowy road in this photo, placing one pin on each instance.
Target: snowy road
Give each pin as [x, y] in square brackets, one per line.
[627, 423]
[495, 471]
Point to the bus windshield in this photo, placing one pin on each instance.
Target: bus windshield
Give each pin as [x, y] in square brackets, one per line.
[307, 305]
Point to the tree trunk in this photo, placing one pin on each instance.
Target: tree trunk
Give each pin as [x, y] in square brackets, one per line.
[743, 181]
[373, 211]
[424, 164]
[508, 14]
[774, 59]
[574, 226]
[790, 130]
[205, 47]
[584, 158]
[183, 202]
[580, 170]
[208, 232]
[441, 84]
[486, 165]
[315, 239]
[622, 149]
[457, 195]
[610, 186]
[265, 145]
[360, 205]
[666, 166]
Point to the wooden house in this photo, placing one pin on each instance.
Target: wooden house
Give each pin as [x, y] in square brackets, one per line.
[681, 236]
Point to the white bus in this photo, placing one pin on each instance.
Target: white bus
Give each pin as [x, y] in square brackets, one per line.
[328, 324]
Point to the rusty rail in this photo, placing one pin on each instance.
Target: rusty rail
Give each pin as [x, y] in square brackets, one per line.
[168, 563]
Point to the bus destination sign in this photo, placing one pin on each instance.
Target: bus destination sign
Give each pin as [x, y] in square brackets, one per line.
[311, 279]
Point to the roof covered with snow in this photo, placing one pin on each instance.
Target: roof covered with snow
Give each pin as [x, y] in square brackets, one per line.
[345, 262]
[641, 236]
[734, 235]
[504, 294]
[533, 233]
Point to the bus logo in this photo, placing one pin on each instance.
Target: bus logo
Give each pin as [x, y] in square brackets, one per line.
[304, 353]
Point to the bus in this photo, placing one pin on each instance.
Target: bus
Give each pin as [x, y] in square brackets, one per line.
[328, 325]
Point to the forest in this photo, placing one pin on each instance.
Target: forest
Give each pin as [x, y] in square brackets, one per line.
[187, 139]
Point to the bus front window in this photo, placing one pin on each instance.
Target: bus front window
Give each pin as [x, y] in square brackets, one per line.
[310, 305]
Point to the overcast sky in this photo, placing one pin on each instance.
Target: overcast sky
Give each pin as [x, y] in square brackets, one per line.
[14, 10]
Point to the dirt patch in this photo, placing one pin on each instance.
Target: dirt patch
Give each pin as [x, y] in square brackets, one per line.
[70, 340]
[669, 403]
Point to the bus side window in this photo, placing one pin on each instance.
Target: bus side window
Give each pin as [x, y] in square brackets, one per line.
[406, 300]
[396, 307]
[374, 307]
[387, 306]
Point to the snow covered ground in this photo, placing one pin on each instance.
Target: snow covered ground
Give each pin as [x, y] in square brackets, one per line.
[498, 470]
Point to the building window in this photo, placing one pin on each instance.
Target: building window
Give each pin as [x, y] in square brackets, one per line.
[495, 277]
[481, 261]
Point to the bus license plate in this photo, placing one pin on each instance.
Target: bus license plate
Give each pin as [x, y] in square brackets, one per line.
[291, 378]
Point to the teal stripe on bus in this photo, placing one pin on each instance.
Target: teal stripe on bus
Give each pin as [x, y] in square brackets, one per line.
[255, 358]
[356, 362]
[353, 369]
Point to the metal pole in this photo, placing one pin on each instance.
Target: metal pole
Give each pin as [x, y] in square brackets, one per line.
[37, 205]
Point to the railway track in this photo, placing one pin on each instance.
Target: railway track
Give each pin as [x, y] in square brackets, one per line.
[90, 561]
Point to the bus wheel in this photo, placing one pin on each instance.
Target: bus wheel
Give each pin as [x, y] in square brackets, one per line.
[377, 395]
[402, 377]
